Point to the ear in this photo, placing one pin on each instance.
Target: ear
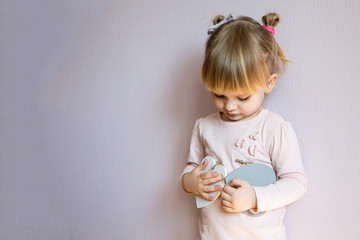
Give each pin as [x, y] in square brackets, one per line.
[270, 83]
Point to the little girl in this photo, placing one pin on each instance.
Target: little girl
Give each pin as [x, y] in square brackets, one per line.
[241, 63]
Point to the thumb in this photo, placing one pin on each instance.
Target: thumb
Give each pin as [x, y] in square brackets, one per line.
[203, 165]
[237, 182]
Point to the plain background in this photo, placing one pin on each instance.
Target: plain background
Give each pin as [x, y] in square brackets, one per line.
[98, 100]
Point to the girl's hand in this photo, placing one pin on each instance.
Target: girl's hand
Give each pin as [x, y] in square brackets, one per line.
[238, 196]
[198, 181]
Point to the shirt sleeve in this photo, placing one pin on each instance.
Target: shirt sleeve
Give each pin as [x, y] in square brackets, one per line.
[196, 153]
[286, 160]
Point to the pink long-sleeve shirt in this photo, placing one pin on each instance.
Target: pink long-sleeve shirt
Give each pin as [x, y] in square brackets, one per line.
[267, 139]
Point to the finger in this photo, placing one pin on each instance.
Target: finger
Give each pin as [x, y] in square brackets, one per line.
[226, 203]
[226, 196]
[228, 189]
[212, 188]
[228, 209]
[237, 182]
[213, 180]
[207, 175]
[207, 196]
[203, 165]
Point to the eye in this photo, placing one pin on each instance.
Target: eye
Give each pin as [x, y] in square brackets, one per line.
[244, 99]
[219, 96]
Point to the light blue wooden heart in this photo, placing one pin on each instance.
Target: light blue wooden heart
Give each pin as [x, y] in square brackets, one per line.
[201, 202]
[256, 174]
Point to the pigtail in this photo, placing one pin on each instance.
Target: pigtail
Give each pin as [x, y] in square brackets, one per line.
[217, 19]
[273, 19]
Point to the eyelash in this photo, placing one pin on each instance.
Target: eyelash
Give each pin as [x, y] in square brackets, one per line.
[240, 99]
[244, 99]
[219, 96]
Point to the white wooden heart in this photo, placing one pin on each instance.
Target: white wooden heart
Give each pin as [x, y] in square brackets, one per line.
[201, 202]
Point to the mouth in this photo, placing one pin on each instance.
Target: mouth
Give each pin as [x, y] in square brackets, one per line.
[232, 115]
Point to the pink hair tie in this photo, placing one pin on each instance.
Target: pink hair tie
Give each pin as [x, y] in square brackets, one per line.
[270, 29]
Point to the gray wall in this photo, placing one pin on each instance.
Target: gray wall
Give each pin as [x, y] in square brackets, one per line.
[98, 100]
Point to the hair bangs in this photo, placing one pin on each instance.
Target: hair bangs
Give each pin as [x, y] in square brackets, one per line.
[234, 69]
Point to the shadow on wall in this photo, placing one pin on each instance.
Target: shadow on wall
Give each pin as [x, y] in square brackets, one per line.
[187, 101]
[190, 100]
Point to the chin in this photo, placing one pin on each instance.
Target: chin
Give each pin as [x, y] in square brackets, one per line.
[234, 118]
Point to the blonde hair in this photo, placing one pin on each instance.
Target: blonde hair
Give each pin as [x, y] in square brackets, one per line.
[241, 55]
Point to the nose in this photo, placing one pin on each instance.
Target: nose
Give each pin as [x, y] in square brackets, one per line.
[230, 106]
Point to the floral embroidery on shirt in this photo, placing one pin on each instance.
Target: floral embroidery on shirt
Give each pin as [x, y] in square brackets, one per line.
[240, 143]
[252, 150]
[249, 144]
[254, 136]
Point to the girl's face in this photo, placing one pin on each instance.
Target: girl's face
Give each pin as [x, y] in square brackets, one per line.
[235, 106]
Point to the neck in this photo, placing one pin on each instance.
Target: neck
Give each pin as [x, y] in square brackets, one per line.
[255, 113]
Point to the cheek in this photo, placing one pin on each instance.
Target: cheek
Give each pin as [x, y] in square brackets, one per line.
[254, 105]
[217, 103]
